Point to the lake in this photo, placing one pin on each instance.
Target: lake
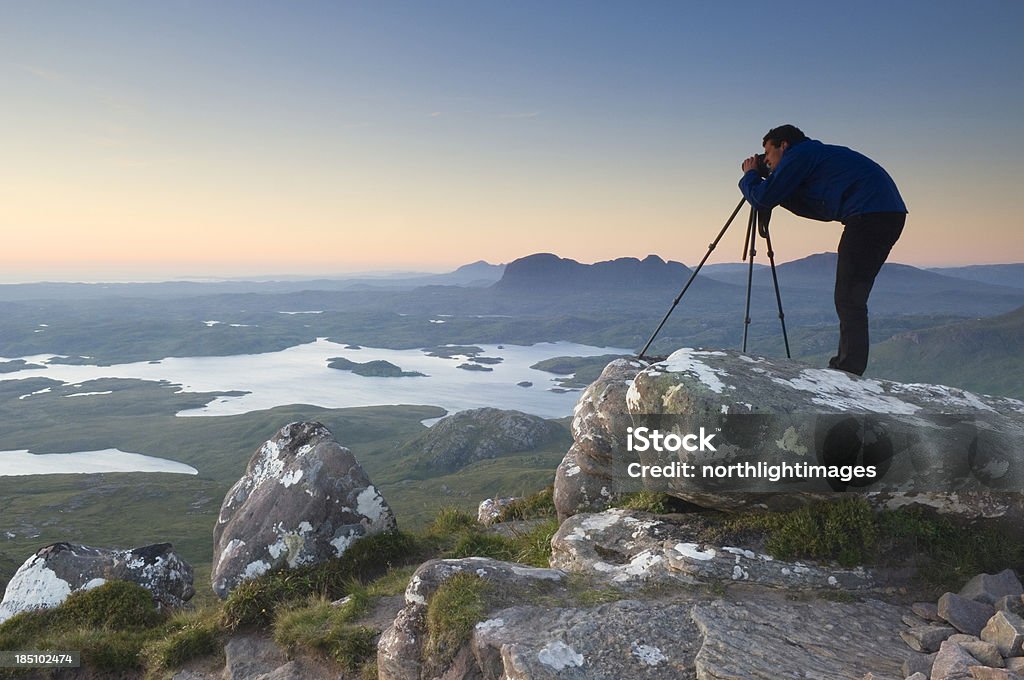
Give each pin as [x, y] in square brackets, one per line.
[300, 375]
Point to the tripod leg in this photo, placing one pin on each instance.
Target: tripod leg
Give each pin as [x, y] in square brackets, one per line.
[778, 295]
[693, 275]
[751, 241]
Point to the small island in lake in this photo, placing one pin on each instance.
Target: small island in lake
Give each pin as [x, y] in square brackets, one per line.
[372, 369]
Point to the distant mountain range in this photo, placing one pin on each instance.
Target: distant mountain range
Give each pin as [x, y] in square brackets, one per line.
[899, 288]
[999, 274]
[476, 274]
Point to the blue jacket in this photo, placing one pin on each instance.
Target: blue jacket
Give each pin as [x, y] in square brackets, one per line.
[824, 182]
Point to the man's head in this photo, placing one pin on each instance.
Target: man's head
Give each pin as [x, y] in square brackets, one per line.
[778, 140]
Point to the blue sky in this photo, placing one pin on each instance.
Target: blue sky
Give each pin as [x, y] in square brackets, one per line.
[188, 138]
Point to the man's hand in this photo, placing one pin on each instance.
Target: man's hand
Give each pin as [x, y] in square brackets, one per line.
[750, 164]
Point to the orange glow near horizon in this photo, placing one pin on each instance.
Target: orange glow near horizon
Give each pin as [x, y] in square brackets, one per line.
[339, 137]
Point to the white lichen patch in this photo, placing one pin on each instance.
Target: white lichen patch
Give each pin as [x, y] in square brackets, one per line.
[596, 522]
[692, 551]
[640, 526]
[749, 554]
[33, 586]
[688, 361]
[489, 624]
[950, 397]
[254, 569]
[95, 583]
[412, 592]
[640, 565]
[572, 469]
[633, 398]
[341, 543]
[290, 478]
[739, 573]
[839, 391]
[538, 572]
[559, 656]
[647, 654]
[370, 504]
[229, 551]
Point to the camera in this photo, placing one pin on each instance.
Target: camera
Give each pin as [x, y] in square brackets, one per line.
[762, 166]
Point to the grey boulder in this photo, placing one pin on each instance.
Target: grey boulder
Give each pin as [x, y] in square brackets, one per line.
[583, 481]
[304, 499]
[48, 577]
[932, 446]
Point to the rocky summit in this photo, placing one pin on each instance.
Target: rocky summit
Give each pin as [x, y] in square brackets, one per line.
[773, 424]
[303, 499]
[48, 577]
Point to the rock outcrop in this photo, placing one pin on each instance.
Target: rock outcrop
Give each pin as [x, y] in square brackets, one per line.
[469, 436]
[48, 577]
[632, 548]
[772, 421]
[583, 480]
[989, 644]
[303, 499]
[548, 626]
[490, 509]
[402, 648]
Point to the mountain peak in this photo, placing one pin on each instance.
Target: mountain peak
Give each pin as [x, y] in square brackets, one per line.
[546, 270]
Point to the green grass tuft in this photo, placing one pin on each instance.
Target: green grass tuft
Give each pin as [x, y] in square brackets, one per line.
[392, 583]
[654, 502]
[480, 544]
[844, 531]
[115, 605]
[187, 636]
[325, 628]
[534, 546]
[450, 520]
[456, 607]
[536, 506]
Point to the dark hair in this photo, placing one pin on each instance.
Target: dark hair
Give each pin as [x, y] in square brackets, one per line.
[784, 133]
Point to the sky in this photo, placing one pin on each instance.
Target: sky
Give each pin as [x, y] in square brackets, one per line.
[148, 140]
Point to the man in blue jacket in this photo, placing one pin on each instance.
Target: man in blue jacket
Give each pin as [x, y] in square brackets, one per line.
[834, 184]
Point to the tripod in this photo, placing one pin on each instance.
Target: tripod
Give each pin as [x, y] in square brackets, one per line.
[757, 223]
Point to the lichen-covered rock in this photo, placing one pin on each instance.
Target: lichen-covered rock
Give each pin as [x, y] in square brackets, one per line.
[583, 481]
[491, 508]
[953, 451]
[923, 439]
[625, 639]
[401, 648]
[48, 577]
[630, 548]
[303, 499]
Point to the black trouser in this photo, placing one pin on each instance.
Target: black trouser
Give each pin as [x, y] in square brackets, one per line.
[866, 242]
